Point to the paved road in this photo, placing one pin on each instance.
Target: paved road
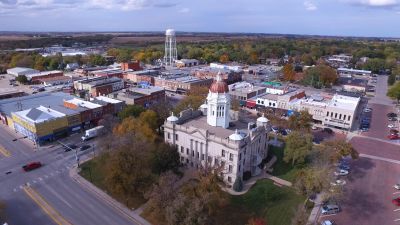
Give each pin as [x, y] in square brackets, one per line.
[52, 182]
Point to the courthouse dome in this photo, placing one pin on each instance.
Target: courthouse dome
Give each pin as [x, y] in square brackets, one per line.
[219, 85]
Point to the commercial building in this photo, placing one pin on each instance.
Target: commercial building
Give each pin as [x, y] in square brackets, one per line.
[244, 90]
[97, 86]
[21, 71]
[180, 81]
[230, 76]
[186, 63]
[10, 93]
[140, 95]
[51, 81]
[210, 138]
[131, 66]
[345, 72]
[49, 116]
[142, 76]
[36, 78]
[109, 72]
[351, 84]
[341, 60]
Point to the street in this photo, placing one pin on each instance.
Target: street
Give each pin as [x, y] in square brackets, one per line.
[52, 182]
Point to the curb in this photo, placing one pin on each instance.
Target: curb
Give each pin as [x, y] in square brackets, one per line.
[123, 210]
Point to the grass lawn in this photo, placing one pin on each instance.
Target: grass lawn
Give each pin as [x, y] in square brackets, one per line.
[92, 171]
[282, 169]
[264, 200]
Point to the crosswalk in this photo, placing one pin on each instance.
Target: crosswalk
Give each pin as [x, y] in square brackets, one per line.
[42, 178]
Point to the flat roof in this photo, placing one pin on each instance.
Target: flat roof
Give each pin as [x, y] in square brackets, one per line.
[344, 102]
[353, 70]
[39, 114]
[147, 90]
[268, 97]
[84, 104]
[51, 99]
[21, 70]
[108, 100]
[201, 123]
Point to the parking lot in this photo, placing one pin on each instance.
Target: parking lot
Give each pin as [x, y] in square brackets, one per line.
[379, 121]
[368, 194]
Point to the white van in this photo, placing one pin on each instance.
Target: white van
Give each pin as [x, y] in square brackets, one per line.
[330, 209]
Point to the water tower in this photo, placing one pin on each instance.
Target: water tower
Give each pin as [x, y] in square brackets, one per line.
[171, 54]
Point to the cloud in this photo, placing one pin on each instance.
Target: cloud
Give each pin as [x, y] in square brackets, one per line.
[375, 3]
[125, 5]
[184, 10]
[310, 6]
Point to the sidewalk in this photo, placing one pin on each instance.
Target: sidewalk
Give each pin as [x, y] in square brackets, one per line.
[132, 215]
[313, 218]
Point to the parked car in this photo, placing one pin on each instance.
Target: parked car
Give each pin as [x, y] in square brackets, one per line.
[396, 201]
[327, 222]
[330, 209]
[31, 166]
[341, 172]
[391, 126]
[392, 118]
[328, 130]
[84, 147]
[393, 136]
[283, 132]
[397, 186]
[367, 110]
[338, 182]
[391, 114]
[275, 129]
[394, 131]
[344, 167]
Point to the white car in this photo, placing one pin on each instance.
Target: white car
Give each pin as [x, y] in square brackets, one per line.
[327, 222]
[397, 186]
[391, 126]
[338, 182]
[341, 173]
[367, 110]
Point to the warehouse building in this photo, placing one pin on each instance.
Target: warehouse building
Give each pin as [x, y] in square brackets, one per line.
[21, 71]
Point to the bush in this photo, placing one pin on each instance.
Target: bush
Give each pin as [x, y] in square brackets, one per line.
[22, 79]
[238, 185]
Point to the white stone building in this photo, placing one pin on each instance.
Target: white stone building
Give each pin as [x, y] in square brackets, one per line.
[212, 136]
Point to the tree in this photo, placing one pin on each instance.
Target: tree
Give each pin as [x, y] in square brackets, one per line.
[133, 126]
[22, 79]
[337, 149]
[131, 110]
[165, 158]
[391, 79]
[195, 98]
[288, 72]
[301, 121]
[97, 60]
[128, 169]
[161, 195]
[150, 118]
[394, 92]
[224, 58]
[298, 146]
[319, 76]
[163, 109]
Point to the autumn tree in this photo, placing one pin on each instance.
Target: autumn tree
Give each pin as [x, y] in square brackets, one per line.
[288, 72]
[134, 126]
[195, 98]
[320, 76]
[161, 195]
[163, 108]
[298, 146]
[224, 58]
[394, 92]
[337, 149]
[131, 110]
[301, 121]
[165, 158]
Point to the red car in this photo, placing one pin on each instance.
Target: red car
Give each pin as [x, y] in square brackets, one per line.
[31, 166]
[396, 201]
[393, 136]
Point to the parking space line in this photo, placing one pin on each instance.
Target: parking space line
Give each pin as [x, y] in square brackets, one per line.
[396, 209]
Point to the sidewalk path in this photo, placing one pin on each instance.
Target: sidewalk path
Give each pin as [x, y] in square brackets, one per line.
[132, 215]
[315, 212]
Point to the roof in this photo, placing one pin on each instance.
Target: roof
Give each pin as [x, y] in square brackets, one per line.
[268, 96]
[219, 85]
[353, 70]
[22, 70]
[84, 104]
[146, 90]
[201, 123]
[51, 99]
[39, 114]
[344, 102]
[45, 73]
[108, 100]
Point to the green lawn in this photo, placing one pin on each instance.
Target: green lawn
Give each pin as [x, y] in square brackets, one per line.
[264, 200]
[92, 171]
[282, 169]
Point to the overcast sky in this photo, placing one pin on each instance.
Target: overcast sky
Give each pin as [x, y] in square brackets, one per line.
[321, 17]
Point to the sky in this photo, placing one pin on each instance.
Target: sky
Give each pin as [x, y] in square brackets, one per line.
[372, 18]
